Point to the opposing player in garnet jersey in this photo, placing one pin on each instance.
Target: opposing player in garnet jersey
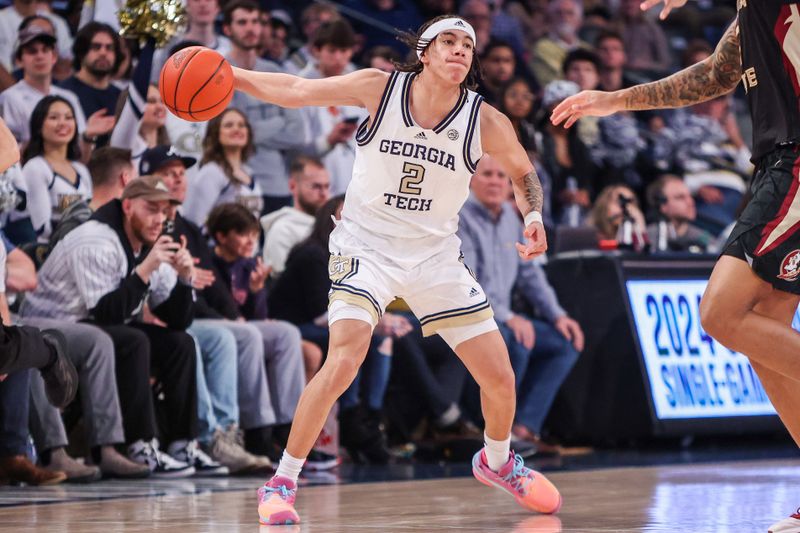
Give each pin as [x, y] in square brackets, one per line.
[416, 152]
[754, 289]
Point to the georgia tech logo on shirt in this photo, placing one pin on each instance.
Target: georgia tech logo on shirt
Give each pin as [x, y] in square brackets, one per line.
[452, 134]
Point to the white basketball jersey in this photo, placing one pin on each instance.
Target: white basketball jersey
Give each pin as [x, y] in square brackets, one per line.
[409, 182]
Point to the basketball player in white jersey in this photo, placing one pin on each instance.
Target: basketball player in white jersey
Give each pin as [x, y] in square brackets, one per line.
[416, 153]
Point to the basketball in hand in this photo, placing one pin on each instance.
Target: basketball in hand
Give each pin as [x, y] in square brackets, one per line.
[196, 83]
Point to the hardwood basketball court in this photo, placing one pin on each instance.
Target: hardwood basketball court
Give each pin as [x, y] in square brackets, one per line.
[732, 497]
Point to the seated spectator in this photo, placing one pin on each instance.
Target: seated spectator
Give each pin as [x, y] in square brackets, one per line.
[382, 58]
[479, 15]
[91, 351]
[274, 40]
[607, 215]
[53, 173]
[276, 130]
[302, 298]
[670, 198]
[646, 43]
[111, 169]
[312, 17]
[15, 467]
[516, 103]
[610, 48]
[98, 54]
[36, 54]
[219, 416]
[566, 17]
[582, 67]
[506, 27]
[223, 176]
[498, 64]
[10, 20]
[711, 152]
[15, 219]
[283, 229]
[567, 160]
[105, 271]
[14, 406]
[543, 349]
[331, 130]
[235, 233]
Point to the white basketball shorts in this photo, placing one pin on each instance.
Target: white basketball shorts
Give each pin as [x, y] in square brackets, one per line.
[441, 291]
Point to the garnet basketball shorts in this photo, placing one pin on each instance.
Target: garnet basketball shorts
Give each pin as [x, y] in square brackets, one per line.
[766, 234]
[441, 291]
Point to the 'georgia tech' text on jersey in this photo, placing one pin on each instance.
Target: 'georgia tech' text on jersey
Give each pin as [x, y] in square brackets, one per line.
[410, 182]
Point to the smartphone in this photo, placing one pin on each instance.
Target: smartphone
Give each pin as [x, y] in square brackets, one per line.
[168, 229]
[351, 120]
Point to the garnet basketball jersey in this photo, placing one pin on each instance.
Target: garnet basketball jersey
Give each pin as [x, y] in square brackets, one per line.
[769, 38]
[410, 182]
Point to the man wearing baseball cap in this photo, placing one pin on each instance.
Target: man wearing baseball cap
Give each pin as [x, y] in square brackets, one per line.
[36, 55]
[215, 313]
[104, 272]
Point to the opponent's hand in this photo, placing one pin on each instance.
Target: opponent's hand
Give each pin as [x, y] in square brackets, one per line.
[183, 262]
[571, 330]
[163, 251]
[584, 104]
[669, 5]
[523, 330]
[537, 241]
[259, 275]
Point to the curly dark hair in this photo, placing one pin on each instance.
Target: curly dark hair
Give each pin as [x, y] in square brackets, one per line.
[83, 43]
[35, 146]
[214, 152]
[412, 40]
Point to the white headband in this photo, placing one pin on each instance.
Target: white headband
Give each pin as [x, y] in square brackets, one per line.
[436, 28]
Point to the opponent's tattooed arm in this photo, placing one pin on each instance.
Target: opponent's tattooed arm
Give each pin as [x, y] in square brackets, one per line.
[714, 76]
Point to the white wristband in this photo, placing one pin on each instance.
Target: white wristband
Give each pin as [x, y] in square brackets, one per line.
[533, 216]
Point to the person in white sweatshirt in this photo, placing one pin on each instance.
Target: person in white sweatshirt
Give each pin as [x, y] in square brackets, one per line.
[309, 183]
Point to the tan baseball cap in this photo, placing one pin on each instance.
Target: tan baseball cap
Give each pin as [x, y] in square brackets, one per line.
[150, 188]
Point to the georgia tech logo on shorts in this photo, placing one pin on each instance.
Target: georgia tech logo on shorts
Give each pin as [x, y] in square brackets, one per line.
[339, 267]
[790, 266]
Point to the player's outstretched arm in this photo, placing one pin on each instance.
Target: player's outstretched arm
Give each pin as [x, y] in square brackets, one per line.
[500, 141]
[361, 88]
[716, 75]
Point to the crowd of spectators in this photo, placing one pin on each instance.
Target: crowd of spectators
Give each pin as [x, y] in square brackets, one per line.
[186, 263]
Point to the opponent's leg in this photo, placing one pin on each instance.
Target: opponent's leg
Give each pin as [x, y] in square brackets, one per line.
[765, 315]
[349, 341]
[727, 313]
[486, 358]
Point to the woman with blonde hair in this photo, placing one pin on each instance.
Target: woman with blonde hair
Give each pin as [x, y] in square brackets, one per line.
[223, 176]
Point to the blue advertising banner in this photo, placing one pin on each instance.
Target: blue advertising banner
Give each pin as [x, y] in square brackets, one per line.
[690, 374]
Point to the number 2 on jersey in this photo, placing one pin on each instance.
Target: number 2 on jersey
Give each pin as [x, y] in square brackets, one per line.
[413, 174]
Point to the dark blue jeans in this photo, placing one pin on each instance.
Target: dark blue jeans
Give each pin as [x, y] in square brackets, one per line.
[539, 372]
[14, 405]
[376, 369]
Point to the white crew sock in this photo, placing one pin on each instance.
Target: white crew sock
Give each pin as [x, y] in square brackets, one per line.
[496, 452]
[290, 466]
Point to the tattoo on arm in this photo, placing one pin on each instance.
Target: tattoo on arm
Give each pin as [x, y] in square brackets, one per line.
[533, 192]
[714, 76]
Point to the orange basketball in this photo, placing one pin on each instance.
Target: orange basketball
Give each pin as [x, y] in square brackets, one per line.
[196, 83]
